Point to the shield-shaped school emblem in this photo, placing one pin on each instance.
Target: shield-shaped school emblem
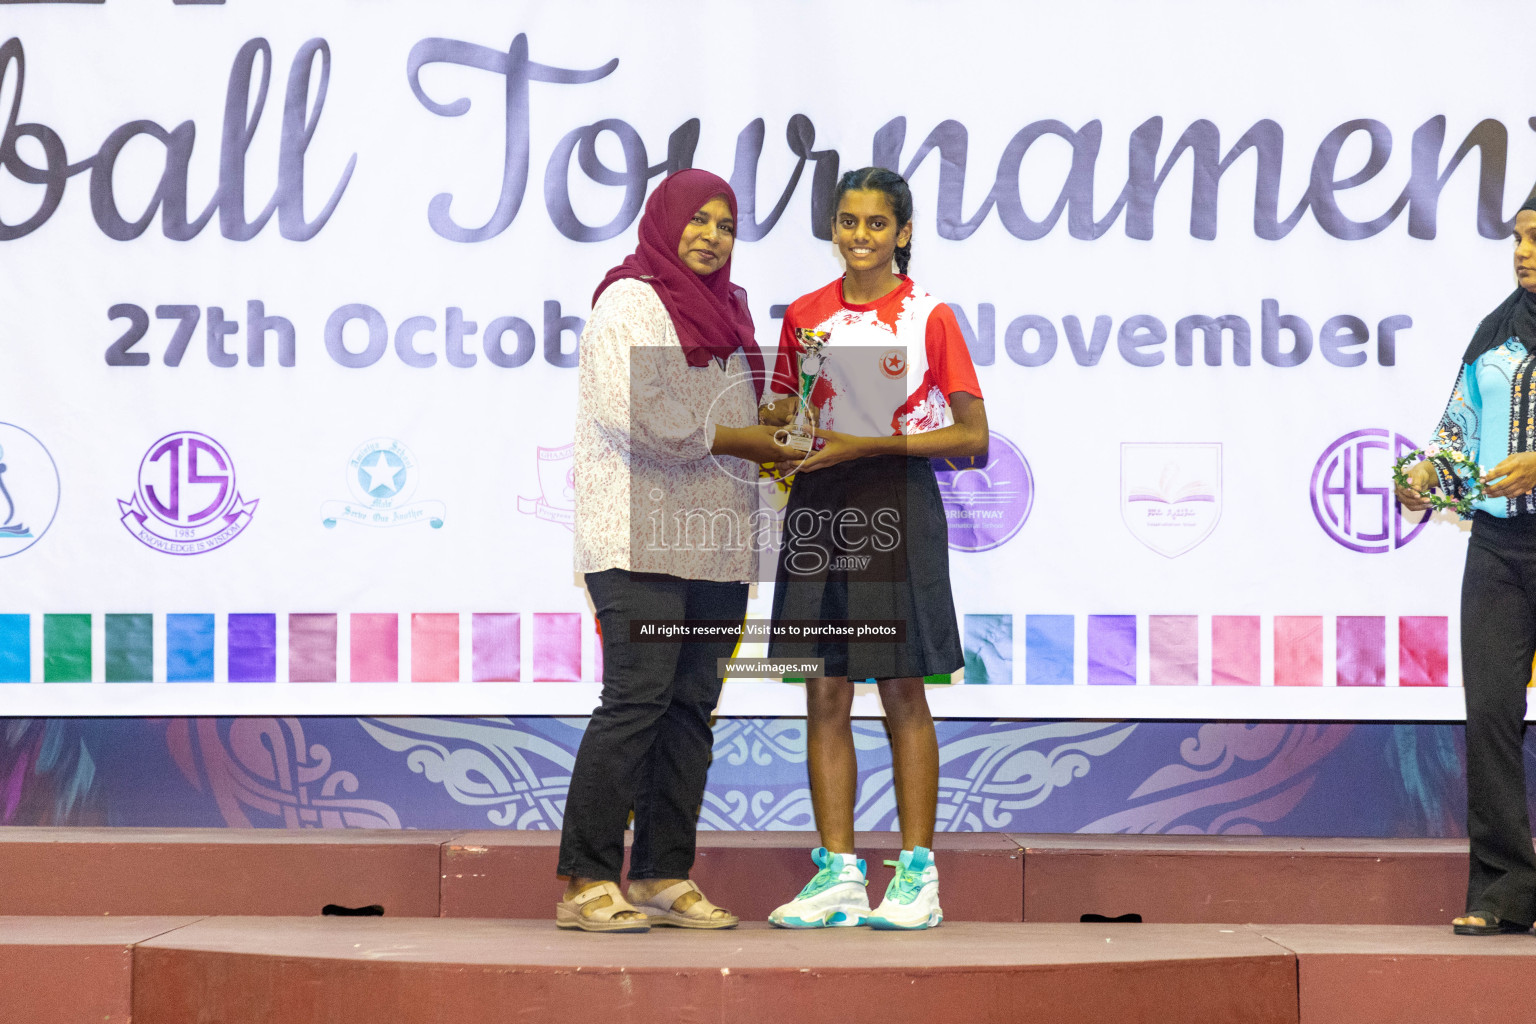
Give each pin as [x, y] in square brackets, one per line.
[556, 502]
[1170, 494]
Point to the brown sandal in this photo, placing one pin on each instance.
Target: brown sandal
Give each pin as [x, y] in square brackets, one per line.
[700, 914]
[573, 912]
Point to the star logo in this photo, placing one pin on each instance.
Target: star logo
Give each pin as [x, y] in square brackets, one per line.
[894, 363]
[380, 475]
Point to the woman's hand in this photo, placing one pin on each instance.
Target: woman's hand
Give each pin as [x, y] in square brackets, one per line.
[1514, 476]
[754, 443]
[782, 413]
[1421, 482]
[778, 414]
[838, 448]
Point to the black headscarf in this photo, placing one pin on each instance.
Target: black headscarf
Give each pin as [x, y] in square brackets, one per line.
[1514, 317]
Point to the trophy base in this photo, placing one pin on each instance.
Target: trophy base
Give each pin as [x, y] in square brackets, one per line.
[798, 442]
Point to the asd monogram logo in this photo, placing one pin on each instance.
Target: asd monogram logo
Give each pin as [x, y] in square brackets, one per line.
[382, 476]
[29, 490]
[1170, 494]
[187, 501]
[1352, 492]
[986, 505]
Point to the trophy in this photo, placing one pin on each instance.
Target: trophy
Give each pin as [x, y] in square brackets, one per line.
[800, 434]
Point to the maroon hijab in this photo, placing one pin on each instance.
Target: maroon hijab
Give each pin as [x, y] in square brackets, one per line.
[710, 313]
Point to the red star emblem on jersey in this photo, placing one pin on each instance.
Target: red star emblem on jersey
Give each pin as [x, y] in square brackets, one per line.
[894, 363]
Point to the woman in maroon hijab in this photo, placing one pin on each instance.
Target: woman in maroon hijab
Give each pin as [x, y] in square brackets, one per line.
[666, 441]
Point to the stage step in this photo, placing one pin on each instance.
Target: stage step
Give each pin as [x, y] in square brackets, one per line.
[156, 871]
[1401, 974]
[406, 971]
[1199, 879]
[73, 970]
[989, 877]
[254, 970]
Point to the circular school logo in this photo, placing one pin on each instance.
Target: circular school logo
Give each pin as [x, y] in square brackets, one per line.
[382, 475]
[29, 490]
[1352, 492]
[894, 363]
[986, 504]
[187, 500]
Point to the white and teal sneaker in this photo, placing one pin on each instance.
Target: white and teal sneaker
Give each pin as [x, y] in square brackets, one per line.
[912, 899]
[835, 898]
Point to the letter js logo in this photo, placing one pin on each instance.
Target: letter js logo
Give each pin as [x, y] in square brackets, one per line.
[187, 500]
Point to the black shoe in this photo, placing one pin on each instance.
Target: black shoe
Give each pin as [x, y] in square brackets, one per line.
[1494, 926]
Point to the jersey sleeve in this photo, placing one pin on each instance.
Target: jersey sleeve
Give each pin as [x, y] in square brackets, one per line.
[948, 357]
[785, 379]
[1459, 429]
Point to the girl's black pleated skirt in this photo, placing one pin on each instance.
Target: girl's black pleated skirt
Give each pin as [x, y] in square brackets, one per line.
[867, 541]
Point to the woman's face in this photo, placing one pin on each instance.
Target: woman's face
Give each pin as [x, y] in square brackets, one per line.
[865, 229]
[1525, 250]
[708, 238]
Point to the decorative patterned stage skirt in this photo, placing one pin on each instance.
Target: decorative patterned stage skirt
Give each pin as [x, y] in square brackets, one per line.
[865, 541]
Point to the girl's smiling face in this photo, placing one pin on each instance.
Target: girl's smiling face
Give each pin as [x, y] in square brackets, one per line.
[865, 230]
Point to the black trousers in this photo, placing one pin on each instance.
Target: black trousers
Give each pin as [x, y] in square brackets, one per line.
[648, 744]
[1498, 640]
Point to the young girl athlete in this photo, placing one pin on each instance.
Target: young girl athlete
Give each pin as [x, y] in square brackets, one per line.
[866, 539]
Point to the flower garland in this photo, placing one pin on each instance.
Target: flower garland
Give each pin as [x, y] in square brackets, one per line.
[1456, 462]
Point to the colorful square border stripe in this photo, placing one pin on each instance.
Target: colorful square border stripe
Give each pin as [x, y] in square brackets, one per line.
[1146, 649]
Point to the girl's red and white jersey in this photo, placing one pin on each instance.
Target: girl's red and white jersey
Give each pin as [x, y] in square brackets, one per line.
[889, 365]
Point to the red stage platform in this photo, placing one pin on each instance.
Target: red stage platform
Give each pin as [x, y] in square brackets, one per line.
[1397, 974]
[987, 876]
[1236, 929]
[122, 871]
[72, 970]
[1192, 879]
[371, 971]
[426, 971]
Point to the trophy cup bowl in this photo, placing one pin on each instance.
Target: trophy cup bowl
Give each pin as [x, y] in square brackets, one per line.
[800, 435]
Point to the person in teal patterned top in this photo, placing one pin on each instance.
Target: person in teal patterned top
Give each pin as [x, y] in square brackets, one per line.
[1491, 420]
[1478, 421]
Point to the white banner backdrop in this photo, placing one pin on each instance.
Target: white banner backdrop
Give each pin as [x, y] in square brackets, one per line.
[291, 294]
